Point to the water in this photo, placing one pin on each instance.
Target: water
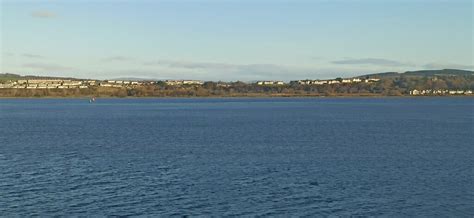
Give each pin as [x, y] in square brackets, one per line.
[283, 156]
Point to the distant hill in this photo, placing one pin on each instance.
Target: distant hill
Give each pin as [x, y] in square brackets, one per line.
[444, 72]
[384, 75]
[381, 75]
[421, 73]
[11, 76]
[132, 79]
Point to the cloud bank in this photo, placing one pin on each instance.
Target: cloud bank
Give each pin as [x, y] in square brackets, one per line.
[31, 55]
[226, 71]
[46, 67]
[371, 61]
[43, 14]
[117, 58]
[437, 66]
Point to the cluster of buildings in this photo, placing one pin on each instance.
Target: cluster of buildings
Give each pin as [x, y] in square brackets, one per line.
[334, 81]
[70, 84]
[266, 83]
[318, 82]
[121, 83]
[82, 84]
[183, 82]
[48, 84]
[440, 92]
[67, 84]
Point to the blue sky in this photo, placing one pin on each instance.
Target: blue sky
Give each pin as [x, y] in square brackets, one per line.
[234, 40]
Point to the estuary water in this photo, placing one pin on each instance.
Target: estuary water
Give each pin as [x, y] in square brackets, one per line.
[238, 156]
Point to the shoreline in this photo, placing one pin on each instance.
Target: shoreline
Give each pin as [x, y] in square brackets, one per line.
[237, 97]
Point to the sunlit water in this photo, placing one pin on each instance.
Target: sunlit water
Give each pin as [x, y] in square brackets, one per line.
[284, 156]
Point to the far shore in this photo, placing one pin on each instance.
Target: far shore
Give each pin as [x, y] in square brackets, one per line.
[237, 97]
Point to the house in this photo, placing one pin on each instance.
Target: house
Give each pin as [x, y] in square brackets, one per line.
[45, 81]
[320, 82]
[415, 92]
[72, 83]
[372, 80]
[223, 84]
[5, 86]
[302, 82]
[42, 86]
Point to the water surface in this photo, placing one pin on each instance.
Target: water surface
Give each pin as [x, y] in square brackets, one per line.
[293, 156]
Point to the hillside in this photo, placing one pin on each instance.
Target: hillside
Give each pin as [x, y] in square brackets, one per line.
[422, 73]
[11, 76]
[444, 72]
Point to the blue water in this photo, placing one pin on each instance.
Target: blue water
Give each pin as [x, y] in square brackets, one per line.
[281, 156]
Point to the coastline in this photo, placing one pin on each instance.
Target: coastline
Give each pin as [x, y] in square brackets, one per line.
[237, 97]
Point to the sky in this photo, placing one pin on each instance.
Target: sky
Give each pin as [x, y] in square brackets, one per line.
[231, 40]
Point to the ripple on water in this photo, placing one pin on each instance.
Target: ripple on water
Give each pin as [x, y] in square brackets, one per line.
[239, 157]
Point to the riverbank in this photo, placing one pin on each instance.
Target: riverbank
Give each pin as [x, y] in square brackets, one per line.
[237, 97]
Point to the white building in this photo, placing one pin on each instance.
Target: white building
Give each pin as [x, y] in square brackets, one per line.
[183, 82]
[192, 82]
[261, 83]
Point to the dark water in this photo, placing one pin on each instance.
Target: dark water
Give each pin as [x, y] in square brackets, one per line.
[407, 156]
